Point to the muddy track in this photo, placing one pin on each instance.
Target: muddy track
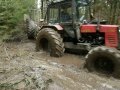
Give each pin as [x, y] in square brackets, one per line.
[22, 68]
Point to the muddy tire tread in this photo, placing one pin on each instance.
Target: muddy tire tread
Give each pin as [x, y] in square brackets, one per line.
[56, 40]
[102, 49]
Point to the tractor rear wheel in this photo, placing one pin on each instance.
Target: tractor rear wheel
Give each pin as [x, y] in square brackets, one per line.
[30, 33]
[50, 41]
[104, 60]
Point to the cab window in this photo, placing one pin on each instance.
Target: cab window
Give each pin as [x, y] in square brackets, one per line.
[66, 12]
[53, 15]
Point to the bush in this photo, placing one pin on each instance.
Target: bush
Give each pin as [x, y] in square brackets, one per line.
[11, 15]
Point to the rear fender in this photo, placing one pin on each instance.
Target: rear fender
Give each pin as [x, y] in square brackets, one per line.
[55, 27]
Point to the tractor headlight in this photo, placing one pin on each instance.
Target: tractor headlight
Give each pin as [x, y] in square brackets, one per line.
[119, 30]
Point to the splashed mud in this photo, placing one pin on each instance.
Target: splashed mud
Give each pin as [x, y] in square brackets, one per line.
[21, 68]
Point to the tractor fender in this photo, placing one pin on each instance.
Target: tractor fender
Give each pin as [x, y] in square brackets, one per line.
[55, 27]
[58, 27]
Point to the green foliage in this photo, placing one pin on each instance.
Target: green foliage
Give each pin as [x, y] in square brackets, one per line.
[11, 14]
[107, 9]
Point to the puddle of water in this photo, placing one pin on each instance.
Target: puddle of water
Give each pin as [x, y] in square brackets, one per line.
[67, 59]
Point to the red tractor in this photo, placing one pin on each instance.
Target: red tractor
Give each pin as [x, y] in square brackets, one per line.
[65, 27]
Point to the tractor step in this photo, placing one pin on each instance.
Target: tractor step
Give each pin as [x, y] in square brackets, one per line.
[78, 46]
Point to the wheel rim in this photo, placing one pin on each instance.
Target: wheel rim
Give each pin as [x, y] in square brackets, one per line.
[45, 45]
[104, 65]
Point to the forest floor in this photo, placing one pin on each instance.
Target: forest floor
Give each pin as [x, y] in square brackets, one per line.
[22, 68]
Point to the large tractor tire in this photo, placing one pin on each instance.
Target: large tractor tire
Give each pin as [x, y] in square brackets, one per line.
[104, 60]
[31, 27]
[50, 41]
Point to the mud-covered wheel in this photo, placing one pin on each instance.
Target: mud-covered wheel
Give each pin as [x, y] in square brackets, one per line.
[50, 41]
[104, 60]
[30, 30]
[31, 34]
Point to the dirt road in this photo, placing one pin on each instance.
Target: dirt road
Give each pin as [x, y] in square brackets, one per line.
[21, 68]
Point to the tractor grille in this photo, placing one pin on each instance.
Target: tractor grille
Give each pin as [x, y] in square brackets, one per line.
[111, 39]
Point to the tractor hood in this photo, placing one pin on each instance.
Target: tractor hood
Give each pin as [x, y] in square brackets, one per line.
[92, 28]
[111, 33]
[108, 28]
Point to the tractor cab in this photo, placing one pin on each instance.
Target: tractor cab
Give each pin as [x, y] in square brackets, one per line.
[68, 14]
[67, 11]
[71, 11]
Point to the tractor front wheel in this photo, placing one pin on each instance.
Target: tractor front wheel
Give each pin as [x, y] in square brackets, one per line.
[104, 60]
[50, 41]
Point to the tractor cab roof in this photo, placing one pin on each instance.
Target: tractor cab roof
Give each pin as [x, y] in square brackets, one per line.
[57, 3]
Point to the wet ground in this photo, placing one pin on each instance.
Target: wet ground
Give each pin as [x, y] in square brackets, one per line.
[21, 68]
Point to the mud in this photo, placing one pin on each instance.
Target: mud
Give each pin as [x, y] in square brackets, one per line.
[22, 68]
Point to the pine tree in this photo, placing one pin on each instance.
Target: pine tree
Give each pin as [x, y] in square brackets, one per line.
[11, 14]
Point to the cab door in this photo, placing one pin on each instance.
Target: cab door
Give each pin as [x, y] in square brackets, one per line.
[66, 19]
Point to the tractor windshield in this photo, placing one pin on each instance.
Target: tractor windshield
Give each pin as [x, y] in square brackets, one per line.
[81, 13]
[54, 14]
[82, 10]
[66, 12]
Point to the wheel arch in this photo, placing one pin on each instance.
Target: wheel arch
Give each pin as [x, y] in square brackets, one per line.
[57, 28]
